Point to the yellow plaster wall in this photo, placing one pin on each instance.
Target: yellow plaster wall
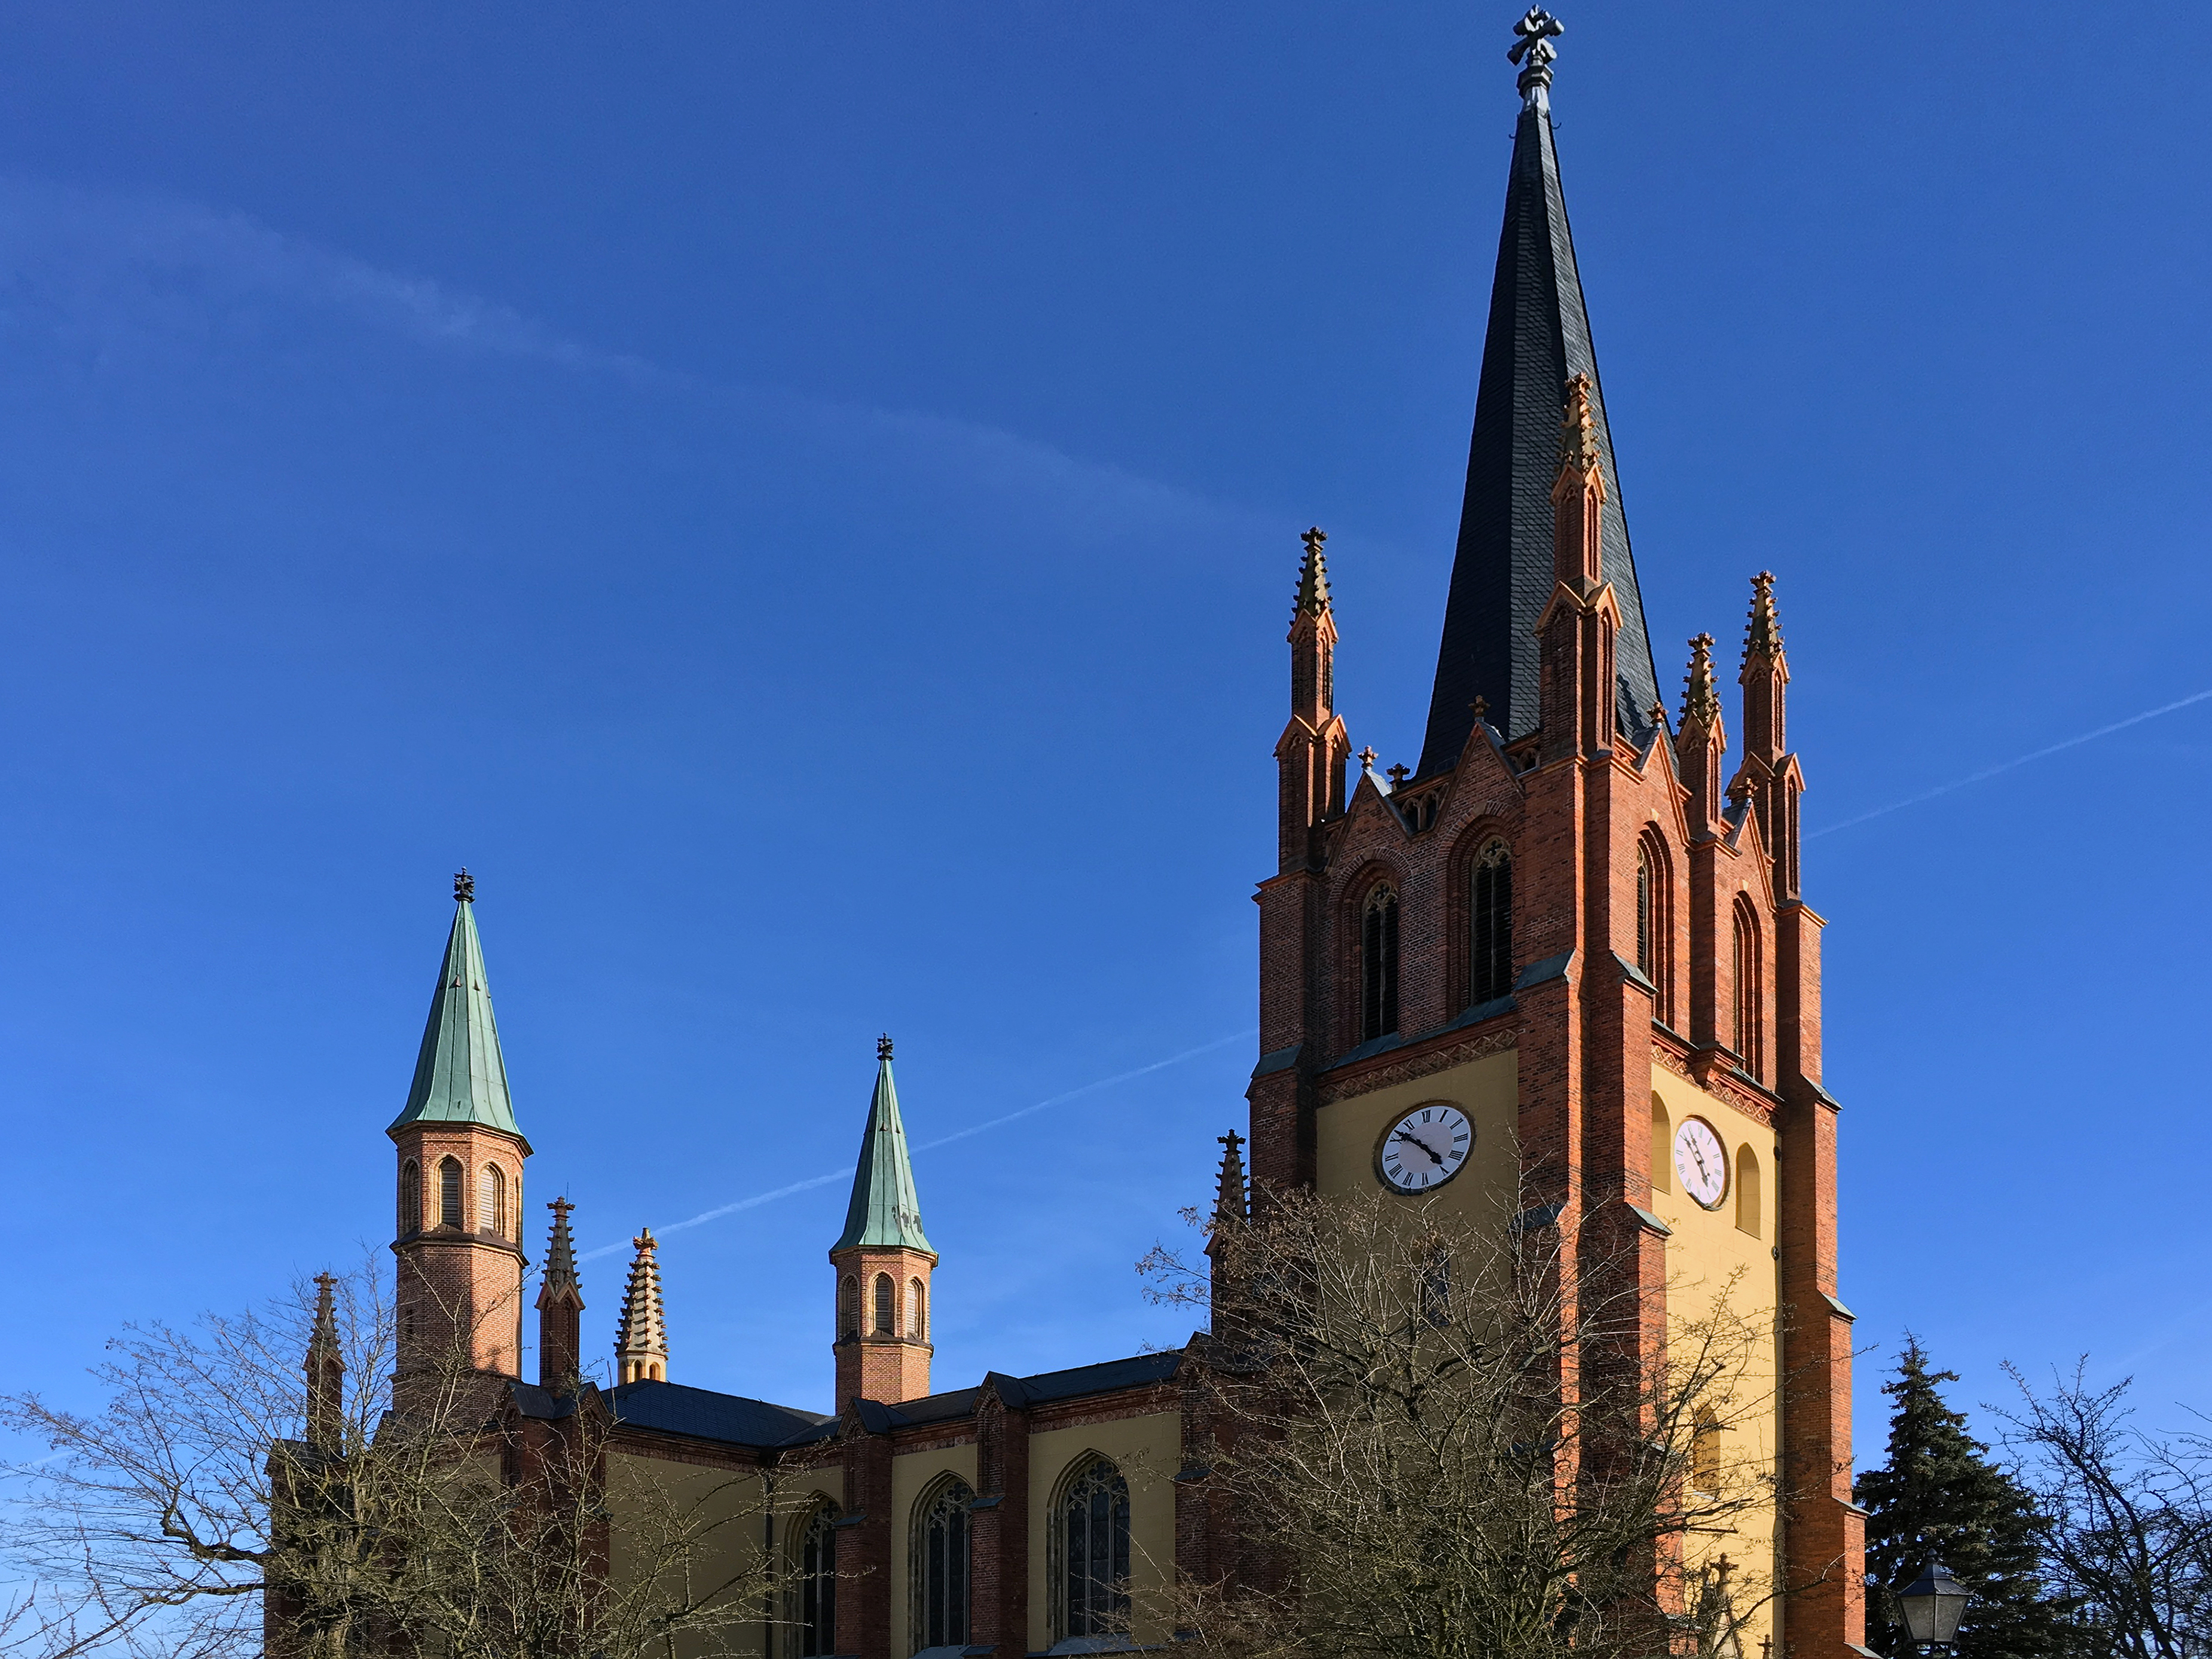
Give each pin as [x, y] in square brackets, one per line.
[913, 1474]
[1148, 1450]
[1348, 1133]
[731, 1497]
[1708, 1257]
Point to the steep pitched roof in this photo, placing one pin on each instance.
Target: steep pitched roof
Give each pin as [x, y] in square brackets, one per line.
[1538, 335]
[459, 1075]
[884, 1212]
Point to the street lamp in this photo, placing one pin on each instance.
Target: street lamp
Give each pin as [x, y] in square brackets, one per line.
[1933, 1604]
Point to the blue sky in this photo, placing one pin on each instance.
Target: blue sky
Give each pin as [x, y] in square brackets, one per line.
[803, 501]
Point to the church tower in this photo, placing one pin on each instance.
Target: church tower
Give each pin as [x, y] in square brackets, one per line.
[460, 1157]
[884, 1262]
[1555, 947]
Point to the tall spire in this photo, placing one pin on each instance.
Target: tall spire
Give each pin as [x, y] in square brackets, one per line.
[560, 1305]
[1229, 1198]
[884, 1213]
[641, 1341]
[325, 1373]
[459, 1076]
[1539, 337]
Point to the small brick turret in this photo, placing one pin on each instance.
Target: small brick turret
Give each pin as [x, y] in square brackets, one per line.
[560, 1308]
[1311, 754]
[883, 1263]
[641, 1339]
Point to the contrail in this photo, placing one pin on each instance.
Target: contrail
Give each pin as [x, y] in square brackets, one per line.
[846, 1174]
[2006, 766]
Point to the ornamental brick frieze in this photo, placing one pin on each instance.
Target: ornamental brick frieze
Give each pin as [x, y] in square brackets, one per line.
[1424, 1062]
[1717, 1084]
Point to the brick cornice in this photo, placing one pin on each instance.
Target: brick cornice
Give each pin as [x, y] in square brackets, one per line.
[1758, 1106]
[1422, 1057]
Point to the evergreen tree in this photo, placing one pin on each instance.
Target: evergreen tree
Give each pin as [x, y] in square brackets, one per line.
[1938, 1494]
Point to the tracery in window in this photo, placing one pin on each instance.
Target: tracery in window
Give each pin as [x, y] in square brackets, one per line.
[941, 1566]
[1378, 964]
[1490, 917]
[814, 1592]
[452, 1211]
[1091, 1534]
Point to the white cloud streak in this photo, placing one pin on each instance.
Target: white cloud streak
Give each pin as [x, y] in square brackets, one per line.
[846, 1174]
[1988, 772]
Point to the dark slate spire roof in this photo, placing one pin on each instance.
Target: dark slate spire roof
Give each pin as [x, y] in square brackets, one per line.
[1539, 335]
[459, 1074]
[884, 1212]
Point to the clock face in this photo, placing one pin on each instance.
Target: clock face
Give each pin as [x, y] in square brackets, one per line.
[1424, 1148]
[1700, 1161]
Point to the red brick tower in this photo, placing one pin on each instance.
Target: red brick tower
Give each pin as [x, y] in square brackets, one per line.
[460, 1160]
[1558, 923]
[883, 1262]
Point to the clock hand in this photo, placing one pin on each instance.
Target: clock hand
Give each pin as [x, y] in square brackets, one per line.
[1424, 1146]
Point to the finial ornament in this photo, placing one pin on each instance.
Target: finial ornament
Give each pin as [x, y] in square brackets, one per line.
[464, 886]
[1762, 635]
[1533, 38]
[884, 1046]
[1579, 428]
[1367, 758]
[1701, 700]
[1399, 773]
[1481, 705]
[1313, 575]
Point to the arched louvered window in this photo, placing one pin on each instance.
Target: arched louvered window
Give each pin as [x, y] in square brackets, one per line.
[886, 1306]
[410, 1197]
[493, 1207]
[1750, 993]
[1655, 925]
[941, 1566]
[1090, 1535]
[1490, 916]
[848, 1306]
[917, 1310]
[452, 1209]
[1378, 964]
[814, 1597]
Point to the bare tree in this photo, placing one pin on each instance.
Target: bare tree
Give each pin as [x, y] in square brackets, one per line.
[1444, 1438]
[225, 1497]
[2127, 1517]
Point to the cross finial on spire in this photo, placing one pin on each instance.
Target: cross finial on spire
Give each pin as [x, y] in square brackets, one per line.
[464, 886]
[1399, 773]
[1367, 758]
[1229, 1194]
[884, 1046]
[1533, 38]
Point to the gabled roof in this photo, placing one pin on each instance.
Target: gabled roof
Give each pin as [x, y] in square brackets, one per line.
[884, 1213]
[702, 1414]
[459, 1075]
[1539, 335]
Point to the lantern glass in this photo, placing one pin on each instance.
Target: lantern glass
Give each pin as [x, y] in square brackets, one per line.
[1933, 1604]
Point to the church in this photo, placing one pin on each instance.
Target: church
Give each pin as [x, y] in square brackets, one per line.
[1572, 934]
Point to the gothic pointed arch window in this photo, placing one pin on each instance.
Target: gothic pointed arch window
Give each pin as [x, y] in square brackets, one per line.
[1750, 974]
[940, 1565]
[1655, 923]
[813, 1606]
[410, 1197]
[917, 1311]
[452, 1207]
[1378, 962]
[886, 1306]
[1091, 1542]
[1490, 925]
[493, 1217]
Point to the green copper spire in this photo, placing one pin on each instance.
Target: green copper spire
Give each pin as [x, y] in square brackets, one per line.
[884, 1213]
[459, 1076]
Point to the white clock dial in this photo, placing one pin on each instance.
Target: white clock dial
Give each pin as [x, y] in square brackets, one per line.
[1424, 1148]
[1700, 1161]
